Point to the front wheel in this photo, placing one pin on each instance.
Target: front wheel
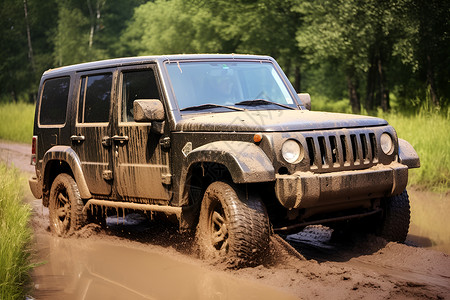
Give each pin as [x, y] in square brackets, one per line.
[65, 206]
[233, 225]
[396, 217]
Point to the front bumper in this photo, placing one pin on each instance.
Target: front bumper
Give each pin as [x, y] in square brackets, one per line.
[306, 189]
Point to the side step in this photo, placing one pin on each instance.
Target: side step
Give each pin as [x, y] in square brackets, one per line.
[169, 210]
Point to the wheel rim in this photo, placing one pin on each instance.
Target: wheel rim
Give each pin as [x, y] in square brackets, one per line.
[61, 216]
[219, 230]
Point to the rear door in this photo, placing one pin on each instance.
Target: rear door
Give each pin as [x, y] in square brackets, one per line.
[141, 164]
[91, 139]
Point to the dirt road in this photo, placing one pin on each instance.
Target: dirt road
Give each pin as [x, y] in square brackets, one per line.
[136, 259]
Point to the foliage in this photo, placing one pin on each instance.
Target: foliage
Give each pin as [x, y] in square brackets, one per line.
[368, 51]
[15, 236]
[17, 121]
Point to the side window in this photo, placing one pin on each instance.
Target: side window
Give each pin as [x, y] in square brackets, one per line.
[95, 98]
[54, 101]
[137, 85]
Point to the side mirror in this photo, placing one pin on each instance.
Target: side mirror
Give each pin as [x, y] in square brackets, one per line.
[306, 100]
[148, 110]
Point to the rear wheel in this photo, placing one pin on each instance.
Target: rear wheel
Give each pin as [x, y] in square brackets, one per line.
[233, 226]
[65, 206]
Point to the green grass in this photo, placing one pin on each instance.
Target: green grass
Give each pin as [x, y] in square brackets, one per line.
[15, 235]
[16, 122]
[429, 134]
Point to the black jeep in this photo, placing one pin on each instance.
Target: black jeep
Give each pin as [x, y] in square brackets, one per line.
[223, 142]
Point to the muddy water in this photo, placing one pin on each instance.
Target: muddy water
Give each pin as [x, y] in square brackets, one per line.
[89, 269]
[105, 267]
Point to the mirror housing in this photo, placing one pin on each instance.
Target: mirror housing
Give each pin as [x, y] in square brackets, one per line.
[148, 110]
[306, 100]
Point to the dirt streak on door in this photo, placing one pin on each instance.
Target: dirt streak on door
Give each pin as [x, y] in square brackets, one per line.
[93, 128]
[140, 160]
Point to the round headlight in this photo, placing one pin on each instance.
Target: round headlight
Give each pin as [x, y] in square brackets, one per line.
[292, 151]
[387, 144]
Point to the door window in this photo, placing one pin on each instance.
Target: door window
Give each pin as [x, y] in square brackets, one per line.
[137, 85]
[95, 98]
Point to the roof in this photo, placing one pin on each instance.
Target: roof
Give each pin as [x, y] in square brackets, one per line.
[118, 62]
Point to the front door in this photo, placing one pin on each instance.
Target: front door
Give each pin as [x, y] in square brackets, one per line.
[92, 130]
[141, 163]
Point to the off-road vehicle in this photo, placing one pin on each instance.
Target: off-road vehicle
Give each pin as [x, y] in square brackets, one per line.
[223, 142]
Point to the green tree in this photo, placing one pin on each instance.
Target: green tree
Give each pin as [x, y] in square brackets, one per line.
[244, 26]
[14, 65]
[337, 31]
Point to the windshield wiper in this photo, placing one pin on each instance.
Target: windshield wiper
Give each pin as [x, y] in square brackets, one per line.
[210, 105]
[256, 102]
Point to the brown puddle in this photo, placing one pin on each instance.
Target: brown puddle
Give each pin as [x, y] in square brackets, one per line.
[92, 269]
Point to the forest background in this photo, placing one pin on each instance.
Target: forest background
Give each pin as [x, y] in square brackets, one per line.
[373, 54]
[388, 58]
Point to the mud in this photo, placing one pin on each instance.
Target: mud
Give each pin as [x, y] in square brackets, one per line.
[133, 258]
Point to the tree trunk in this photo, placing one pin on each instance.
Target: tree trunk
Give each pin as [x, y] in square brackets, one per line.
[352, 84]
[430, 82]
[384, 93]
[30, 48]
[370, 85]
[92, 20]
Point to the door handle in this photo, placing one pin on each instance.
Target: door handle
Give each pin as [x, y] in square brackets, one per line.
[77, 138]
[106, 140]
[120, 138]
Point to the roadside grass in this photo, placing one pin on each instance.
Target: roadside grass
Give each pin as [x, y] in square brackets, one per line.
[16, 121]
[15, 236]
[429, 134]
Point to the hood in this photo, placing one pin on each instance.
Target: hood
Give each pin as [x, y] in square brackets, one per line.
[274, 121]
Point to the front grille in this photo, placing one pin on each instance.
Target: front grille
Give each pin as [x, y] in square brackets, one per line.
[339, 151]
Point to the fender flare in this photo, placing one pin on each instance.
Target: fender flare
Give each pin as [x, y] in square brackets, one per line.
[246, 162]
[407, 155]
[68, 155]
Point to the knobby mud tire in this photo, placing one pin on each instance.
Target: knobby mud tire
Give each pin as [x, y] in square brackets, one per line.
[65, 206]
[238, 219]
[395, 222]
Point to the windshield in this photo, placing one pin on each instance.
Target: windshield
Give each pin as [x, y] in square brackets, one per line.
[223, 85]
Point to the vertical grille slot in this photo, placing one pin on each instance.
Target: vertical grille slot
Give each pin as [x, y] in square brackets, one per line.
[344, 148]
[364, 147]
[334, 149]
[354, 145]
[323, 150]
[310, 143]
[373, 145]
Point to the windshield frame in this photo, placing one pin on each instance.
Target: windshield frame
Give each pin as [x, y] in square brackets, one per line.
[281, 79]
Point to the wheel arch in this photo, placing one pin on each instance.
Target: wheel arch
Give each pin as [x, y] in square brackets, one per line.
[245, 162]
[63, 159]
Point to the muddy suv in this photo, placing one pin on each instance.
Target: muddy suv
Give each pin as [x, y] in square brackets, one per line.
[222, 142]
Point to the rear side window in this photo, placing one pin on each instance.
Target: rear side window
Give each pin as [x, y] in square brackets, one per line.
[95, 98]
[54, 101]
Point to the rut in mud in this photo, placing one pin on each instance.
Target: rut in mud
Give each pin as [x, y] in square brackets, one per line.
[133, 258]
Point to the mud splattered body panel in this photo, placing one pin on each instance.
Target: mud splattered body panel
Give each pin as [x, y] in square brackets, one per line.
[206, 118]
